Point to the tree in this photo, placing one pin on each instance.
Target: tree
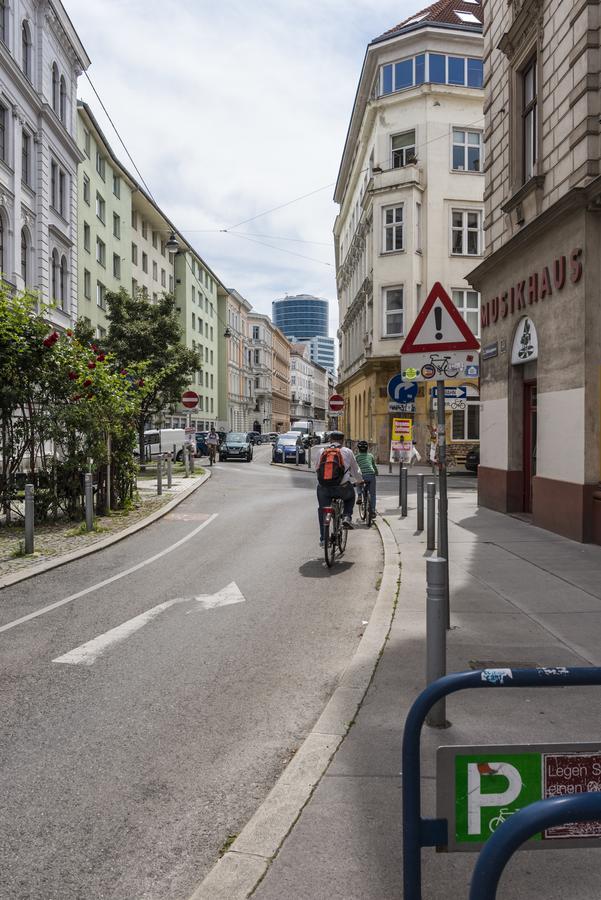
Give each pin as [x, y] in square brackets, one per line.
[148, 335]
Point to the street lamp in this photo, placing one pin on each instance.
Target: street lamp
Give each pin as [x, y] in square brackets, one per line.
[227, 333]
[172, 244]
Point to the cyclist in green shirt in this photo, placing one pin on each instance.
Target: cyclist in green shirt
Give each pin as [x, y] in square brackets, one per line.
[369, 470]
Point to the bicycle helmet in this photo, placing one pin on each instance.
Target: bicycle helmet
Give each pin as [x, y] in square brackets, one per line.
[362, 446]
[336, 437]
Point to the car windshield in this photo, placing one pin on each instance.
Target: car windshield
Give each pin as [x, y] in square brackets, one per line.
[236, 437]
[288, 439]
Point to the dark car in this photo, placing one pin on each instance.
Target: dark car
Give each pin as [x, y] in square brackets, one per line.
[236, 446]
[255, 437]
[472, 459]
[270, 437]
[286, 448]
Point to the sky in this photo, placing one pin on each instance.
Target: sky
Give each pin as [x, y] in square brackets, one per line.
[230, 109]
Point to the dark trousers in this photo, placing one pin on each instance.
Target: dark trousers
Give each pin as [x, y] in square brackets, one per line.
[328, 492]
[370, 479]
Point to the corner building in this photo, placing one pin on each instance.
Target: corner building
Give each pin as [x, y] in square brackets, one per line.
[540, 282]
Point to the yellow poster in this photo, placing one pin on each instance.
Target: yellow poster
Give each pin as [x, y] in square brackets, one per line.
[402, 430]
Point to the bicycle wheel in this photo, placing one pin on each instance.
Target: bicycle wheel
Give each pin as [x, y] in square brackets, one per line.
[342, 536]
[329, 544]
[370, 513]
[362, 503]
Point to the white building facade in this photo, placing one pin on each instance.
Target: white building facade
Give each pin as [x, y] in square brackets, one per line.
[41, 58]
[240, 375]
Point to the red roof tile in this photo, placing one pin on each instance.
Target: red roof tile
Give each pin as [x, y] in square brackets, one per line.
[441, 12]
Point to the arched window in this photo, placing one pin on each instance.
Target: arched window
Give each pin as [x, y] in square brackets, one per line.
[55, 88]
[63, 284]
[24, 260]
[4, 21]
[26, 49]
[63, 100]
[55, 272]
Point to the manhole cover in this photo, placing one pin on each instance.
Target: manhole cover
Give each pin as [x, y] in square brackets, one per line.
[502, 664]
[187, 517]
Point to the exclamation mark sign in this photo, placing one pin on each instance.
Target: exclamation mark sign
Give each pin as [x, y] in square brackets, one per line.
[438, 320]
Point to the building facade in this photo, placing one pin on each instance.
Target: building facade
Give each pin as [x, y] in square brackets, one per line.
[240, 375]
[301, 383]
[540, 282]
[301, 316]
[261, 345]
[323, 351]
[410, 191]
[41, 58]
[280, 382]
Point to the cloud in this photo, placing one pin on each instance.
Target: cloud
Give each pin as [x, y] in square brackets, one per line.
[231, 109]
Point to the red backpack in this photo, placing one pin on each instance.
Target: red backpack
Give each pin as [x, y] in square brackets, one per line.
[331, 466]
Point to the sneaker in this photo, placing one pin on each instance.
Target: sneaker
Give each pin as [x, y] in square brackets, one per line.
[321, 543]
[347, 522]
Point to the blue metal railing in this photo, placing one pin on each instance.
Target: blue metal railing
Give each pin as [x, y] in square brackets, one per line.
[523, 825]
[419, 832]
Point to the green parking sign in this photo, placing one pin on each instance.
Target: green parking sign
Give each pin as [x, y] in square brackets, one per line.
[480, 788]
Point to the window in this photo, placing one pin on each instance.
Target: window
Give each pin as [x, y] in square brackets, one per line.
[193, 322]
[466, 422]
[116, 186]
[63, 282]
[257, 357]
[468, 304]
[162, 248]
[456, 66]
[26, 50]
[467, 150]
[164, 280]
[63, 100]
[418, 228]
[86, 237]
[393, 229]
[116, 226]
[26, 157]
[155, 271]
[100, 295]
[475, 73]
[3, 134]
[100, 164]
[529, 129]
[86, 189]
[171, 284]
[116, 265]
[154, 239]
[134, 254]
[87, 285]
[211, 382]
[403, 149]
[3, 22]
[144, 230]
[24, 256]
[437, 65]
[101, 332]
[145, 262]
[100, 252]
[134, 287]
[466, 229]
[436, 68]
[100, 207]
[53, 184]
[62, 199]
[86, 143]
[55, 88]
[134, 220]
[393, 312]
[55, 270]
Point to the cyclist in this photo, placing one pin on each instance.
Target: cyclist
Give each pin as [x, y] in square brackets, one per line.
[212, 442]
[369, 470]
[336, 468]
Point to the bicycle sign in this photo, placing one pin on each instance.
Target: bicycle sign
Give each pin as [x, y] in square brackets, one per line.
[480, 788]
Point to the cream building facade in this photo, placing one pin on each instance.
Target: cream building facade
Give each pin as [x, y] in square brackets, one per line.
[240, 373]
[410, 191]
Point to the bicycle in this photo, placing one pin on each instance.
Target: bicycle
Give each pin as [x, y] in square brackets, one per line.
[212, 453]
[504, 814]
[366, 512]
[334, 534]
[440, 365]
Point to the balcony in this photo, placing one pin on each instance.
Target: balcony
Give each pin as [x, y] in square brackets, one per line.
[411, 175]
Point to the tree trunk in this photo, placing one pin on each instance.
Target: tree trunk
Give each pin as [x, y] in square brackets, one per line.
[142, 446]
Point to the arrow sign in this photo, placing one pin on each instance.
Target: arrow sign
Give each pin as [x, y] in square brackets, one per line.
[451, 393]
[400, 391]
[88, 653]
[439, 327]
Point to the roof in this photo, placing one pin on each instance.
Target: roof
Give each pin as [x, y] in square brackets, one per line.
[443, 12]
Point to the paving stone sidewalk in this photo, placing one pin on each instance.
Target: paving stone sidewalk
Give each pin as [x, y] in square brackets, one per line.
[519, 596]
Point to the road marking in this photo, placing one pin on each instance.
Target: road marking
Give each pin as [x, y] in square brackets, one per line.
[89, 652]
[101, 584]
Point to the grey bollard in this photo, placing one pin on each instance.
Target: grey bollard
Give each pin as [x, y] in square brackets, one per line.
[420, 502]
[169, 470]
[297, 456]
[431, 510]
[436, 633]
[29, 518]
[186, 461]
[404, 492]
[159, 476]
[89, 501]
[191, 452]
[309, 456]
[400, 482]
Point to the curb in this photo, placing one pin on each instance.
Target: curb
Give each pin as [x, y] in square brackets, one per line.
[240, 870]
[23, 575]
[292, 467]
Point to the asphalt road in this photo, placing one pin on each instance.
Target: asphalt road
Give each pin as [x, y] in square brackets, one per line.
[131, 750]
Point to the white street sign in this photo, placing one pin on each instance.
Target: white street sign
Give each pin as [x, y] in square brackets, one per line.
[438, 366]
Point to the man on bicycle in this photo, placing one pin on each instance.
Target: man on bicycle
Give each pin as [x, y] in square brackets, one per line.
[369, 470]
[336, 469]
[212, 442]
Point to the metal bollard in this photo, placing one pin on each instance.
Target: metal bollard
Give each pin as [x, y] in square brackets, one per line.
[29, 518]
[186, 461]
[438, 530]
[436, 634]
[400, 483]
[89, 501]
[297, 456]
[420, 502]
[191, 452]
[159, 476]
[169, 470]
[309, 456]
[404, 492]
[431, 510]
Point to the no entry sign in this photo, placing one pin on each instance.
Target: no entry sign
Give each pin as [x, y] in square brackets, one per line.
[336, 403]
[190, 399]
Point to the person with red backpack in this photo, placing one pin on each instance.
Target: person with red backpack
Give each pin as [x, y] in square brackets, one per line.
[336, 469]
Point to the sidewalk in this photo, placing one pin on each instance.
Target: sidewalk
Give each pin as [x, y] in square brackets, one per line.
[520, 596]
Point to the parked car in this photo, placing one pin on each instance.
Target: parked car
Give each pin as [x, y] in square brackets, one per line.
[255, 437]
[285, 449]
[236, 446]
[472, 459]
[271, 437]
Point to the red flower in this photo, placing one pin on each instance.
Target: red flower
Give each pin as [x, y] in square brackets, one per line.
[69, 332]
[51, 339]
[76, 397]
[140, 382]
[91, 365]
[101, 357]
[87, 382]
[94, 347]
[72, 376]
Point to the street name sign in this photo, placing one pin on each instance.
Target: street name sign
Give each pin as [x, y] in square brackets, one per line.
[190, 399]
[479, 788]
[451, 393]
[336, 403]
[440, 344]
[400, 407]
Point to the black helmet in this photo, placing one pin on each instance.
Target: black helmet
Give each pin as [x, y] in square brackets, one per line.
[362, 446]
[336, 437]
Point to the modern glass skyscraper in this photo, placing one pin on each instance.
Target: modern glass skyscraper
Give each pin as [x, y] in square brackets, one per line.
[303, 316]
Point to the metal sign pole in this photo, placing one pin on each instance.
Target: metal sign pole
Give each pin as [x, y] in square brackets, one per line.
[443, 547]
[420, 501]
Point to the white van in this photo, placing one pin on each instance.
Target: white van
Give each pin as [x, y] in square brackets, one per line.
[161, 440]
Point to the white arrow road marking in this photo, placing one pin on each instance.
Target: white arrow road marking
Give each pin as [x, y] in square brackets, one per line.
[101, 584]
[89, 652]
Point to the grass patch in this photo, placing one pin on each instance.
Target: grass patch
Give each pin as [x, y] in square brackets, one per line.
[378, 582]
[227, 844]
[81, 529]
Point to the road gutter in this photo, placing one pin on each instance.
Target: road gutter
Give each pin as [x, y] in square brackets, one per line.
[32, 571]
[241, 869]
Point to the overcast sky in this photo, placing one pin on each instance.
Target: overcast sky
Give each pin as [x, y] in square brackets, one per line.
[232, 108]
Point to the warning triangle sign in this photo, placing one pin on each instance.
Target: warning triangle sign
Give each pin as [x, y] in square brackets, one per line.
[439, 326]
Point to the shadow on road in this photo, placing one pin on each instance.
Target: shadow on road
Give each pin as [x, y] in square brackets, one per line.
[316, 568]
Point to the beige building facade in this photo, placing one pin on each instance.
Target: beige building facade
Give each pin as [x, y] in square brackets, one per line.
[240, 375]
[541, 280]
